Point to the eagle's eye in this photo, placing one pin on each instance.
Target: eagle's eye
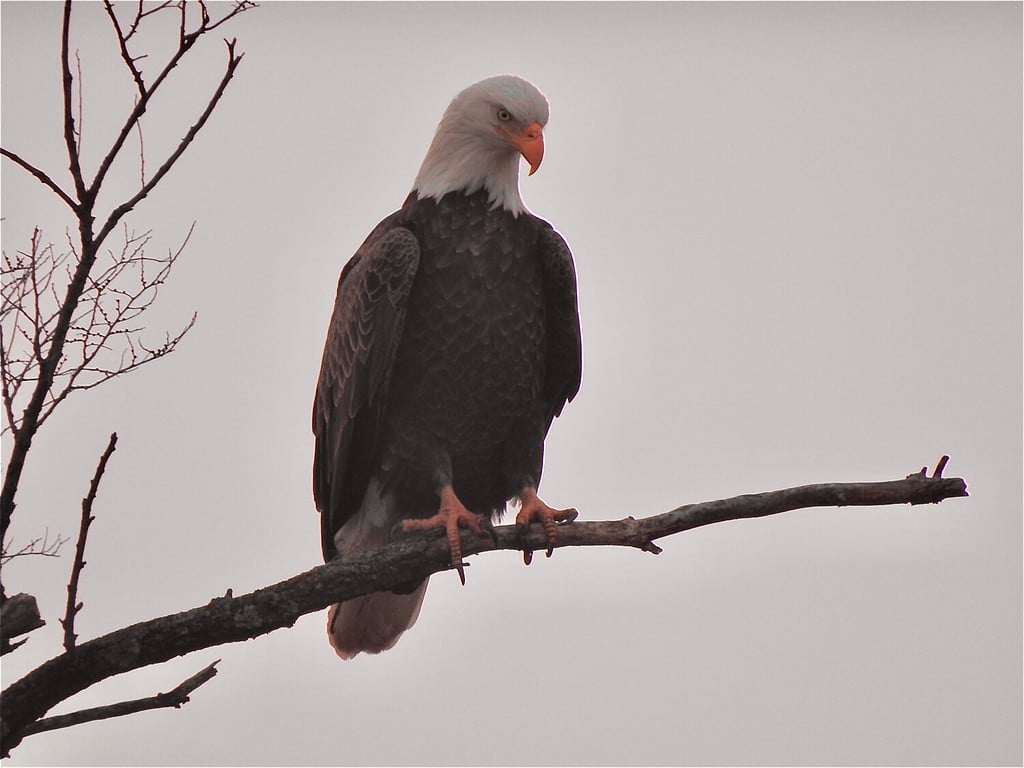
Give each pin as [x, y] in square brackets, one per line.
[504, 115]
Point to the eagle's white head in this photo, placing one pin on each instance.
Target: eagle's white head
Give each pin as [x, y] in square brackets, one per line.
[479, 140]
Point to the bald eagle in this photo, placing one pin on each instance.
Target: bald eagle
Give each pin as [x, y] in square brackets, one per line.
[453, 344]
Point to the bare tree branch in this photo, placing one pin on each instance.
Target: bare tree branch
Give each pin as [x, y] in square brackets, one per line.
[173, 698]
[125, 207]
[67, 81]
[73, 606]
[19, 616]
[42, 176]
[41, 546]
[122, 40]
[55, 341]
[185, 42]
[103, 339]
[142, 155]
[80, 128]
[231, 619]
[50, 355]
[140, 14]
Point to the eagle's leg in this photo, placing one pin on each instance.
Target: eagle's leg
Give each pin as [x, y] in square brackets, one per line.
[533, 509]
[450, 515]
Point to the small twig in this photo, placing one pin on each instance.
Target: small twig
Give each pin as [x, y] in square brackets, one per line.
[142, 155]
[174, 698]
[122, 41]
[240, 7]
[141, 14]
[81, 110]
[922, 473]
[41, 546]
[73, 607]
[8, 388]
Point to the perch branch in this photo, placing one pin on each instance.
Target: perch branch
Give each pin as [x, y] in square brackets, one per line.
[230, 619]
[173, 698]
[73, 606]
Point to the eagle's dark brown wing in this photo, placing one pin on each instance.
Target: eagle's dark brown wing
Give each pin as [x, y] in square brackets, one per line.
[564, 354]
[364, 333]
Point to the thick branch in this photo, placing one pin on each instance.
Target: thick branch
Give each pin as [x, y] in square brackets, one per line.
[231, 619]
[174, 698]
[19, 616]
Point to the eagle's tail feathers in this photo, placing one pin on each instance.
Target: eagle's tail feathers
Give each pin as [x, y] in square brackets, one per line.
[372, 623]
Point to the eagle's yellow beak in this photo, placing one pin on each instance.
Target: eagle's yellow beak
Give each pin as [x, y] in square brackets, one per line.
[530, 144]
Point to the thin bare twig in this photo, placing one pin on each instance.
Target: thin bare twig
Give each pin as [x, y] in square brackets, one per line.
[40, 546]
[73, 607]
[142, 155]
[122, 40]
[80, 128]
[103, 338]
[232, 619]
[173, 698]
[8, 389]
[71, 144]
[140, 14]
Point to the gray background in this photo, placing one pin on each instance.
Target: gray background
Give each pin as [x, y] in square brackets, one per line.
[797, 230]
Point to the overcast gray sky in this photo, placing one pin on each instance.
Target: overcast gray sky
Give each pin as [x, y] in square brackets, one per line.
[797, 230]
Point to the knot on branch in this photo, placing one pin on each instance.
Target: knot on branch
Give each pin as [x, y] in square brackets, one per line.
[923, 472]
[936, 488]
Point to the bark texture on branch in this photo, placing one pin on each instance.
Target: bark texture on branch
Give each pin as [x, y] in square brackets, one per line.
[232, 619]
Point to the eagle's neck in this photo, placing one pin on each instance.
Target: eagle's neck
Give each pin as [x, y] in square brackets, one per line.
[462, 163]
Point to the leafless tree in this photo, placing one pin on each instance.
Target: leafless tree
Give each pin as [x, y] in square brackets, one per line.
[71, 321]
[62, 311]
[72, 315]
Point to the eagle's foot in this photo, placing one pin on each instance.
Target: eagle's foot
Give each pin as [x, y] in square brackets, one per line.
[535, 510]
[450, 515]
